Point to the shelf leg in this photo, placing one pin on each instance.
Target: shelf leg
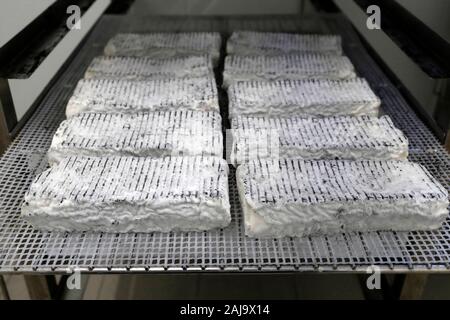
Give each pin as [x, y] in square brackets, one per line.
[413, 286]
[39, 287]
[4, 289]
[5, 139]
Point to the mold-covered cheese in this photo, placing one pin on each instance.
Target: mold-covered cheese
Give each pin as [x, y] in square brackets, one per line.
[286, 67]
[130, 194]
[271, 43]
[289, 197]
[144, 68]
[165, 44]
[349, 138]
[303, 97]
[143, 134]
[128, 96]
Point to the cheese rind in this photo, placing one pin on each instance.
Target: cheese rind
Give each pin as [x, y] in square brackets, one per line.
[286, 67]
[144, 68]
[144, 134]
[349, 138]
[130, 194]
[270, 43]
[303, 97]
[293, 197]
[128, 96]
[165, 44]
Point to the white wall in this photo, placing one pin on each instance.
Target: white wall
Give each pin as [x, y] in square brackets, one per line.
[17, 14]
[419, 84]
[434, 13]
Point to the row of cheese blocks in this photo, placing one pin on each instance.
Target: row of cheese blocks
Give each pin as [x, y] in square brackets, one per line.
[154, 106]
[124, 160]
[269, 85]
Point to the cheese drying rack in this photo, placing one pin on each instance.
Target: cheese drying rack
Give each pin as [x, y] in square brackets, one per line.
[25, 250]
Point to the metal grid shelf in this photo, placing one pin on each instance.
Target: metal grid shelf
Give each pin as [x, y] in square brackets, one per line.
[23, 249]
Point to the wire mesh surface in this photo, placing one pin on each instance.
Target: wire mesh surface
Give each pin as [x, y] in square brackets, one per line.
[23, 249]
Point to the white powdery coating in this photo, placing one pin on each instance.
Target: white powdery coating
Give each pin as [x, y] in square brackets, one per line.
[316, 138]
[116, 95]
[287, 67]
[146, 134]
[130, 194]
[303, 97]
[270, 43]
[165, 44]
[142, 68]
[293, 197]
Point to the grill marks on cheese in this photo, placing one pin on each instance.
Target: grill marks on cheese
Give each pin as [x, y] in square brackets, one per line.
[317, 138]
[141, 68]
[113, 95]
[311, 182]
[292, 66]
[130, 194]
[267, 43]
[152, 134]
[303, 97]
[165, 44]
[292, 197]
[114, 179]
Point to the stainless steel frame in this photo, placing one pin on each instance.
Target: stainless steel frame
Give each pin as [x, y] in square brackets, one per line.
[25, 250]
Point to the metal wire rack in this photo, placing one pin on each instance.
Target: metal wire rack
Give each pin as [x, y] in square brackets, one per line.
[25, 250]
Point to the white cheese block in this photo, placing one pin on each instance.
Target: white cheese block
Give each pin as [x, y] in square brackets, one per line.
[270, 43]
[290, 67]
[142, 68]
[298, 198]
[165, 44]
[130, 194]
[303, 97]
[145, 134]
[316, 138]
[127, 96]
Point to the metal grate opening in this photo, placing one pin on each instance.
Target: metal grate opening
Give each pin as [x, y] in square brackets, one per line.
[22, 249]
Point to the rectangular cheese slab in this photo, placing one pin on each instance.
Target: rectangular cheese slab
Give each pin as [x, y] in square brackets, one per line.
[142, 68]
[165, 44]
[349, 138]
[129, 96]
[144, 134]
[286, 67]
[303, 97]
[271, 43]
[130, 194]
[289, 197]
